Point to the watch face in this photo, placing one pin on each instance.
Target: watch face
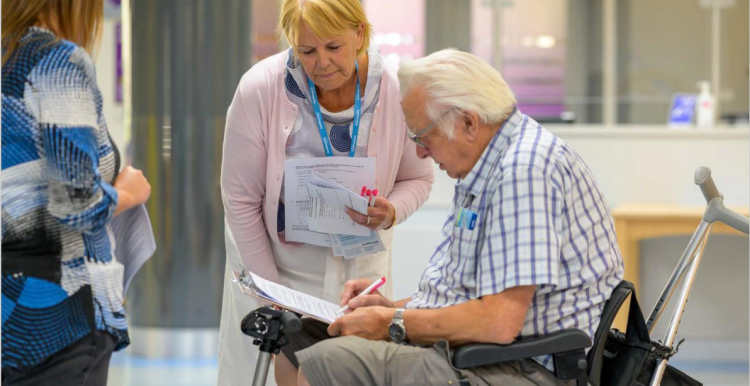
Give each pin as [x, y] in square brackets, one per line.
[397, 333]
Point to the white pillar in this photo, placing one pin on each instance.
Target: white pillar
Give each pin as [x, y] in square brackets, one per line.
[716, 55]
[497, 34]
[609, 65]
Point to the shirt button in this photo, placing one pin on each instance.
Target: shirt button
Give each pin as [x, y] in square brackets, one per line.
[440, 263]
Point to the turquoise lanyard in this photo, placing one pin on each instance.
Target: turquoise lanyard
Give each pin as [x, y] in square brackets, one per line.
[322, 126]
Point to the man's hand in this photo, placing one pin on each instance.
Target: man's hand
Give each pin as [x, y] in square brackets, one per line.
[367, 322]
[352, 288]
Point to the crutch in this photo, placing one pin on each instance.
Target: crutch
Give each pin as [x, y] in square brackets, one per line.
[691, 258]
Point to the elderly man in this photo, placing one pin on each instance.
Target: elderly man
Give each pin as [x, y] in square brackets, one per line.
[528, 249]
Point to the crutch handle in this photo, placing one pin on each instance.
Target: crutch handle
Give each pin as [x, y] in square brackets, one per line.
[716, 211]
[706, 183]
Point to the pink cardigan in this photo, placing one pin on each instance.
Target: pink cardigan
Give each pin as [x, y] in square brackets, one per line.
[258, 124]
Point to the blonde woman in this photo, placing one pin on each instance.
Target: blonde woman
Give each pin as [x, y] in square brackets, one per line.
[273, 119]
[62, 287]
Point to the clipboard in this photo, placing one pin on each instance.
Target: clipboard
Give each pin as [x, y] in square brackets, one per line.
[306, 305]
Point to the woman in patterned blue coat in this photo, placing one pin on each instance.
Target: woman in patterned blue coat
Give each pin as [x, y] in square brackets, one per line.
[62, 300]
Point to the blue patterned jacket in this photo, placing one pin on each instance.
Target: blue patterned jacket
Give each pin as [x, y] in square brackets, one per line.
[60, 280]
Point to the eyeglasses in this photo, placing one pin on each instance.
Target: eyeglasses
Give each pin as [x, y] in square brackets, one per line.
[415, 137]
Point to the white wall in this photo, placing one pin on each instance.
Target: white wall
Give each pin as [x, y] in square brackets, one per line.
[631, 164]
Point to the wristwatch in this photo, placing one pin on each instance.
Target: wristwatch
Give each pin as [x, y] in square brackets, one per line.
[396, 330]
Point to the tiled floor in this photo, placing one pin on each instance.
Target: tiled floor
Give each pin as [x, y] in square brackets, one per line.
[126, 370]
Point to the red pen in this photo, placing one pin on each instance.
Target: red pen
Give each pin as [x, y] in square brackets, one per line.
[372, 198]
[367, 291]
[364, 189]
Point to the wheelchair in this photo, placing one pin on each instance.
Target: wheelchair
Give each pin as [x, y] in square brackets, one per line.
[569, 347]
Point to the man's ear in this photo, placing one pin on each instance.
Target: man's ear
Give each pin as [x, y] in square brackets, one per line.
[471, 125]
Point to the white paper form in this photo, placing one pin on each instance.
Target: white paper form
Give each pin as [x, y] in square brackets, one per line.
[337, 249]
[354, 246]
[134, 241]
[351, 172]
[292, 300]
[328, 214]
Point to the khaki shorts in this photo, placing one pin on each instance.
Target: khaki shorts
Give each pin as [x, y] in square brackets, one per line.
[312, 332]
[355, 361]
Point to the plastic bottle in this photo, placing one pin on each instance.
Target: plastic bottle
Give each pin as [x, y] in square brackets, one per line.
[706, 106]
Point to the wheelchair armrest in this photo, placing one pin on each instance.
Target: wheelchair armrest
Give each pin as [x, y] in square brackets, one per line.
[483, 354]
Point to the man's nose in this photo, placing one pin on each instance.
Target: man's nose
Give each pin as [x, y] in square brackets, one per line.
[422, 152]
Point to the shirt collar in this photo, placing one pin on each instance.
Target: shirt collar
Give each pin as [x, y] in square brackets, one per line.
[35, 30]
[475, 181]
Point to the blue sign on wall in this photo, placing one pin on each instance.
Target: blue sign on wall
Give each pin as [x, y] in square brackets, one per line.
[682, 111]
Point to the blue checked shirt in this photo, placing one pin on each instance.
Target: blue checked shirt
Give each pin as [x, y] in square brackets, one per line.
[541, 221]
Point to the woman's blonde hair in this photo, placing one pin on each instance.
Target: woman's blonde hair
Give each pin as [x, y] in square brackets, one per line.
[459, 81]
[326, 19]
[79, 21]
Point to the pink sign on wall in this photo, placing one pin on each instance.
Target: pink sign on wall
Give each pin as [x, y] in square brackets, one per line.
[399, 28]
[118, 62]
[533, 44]
[265, 40]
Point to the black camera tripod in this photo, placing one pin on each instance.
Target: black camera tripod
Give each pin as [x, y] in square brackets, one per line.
[268, 327]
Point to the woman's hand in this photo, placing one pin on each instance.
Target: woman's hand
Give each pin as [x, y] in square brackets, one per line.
[381, 216]
[132, 189]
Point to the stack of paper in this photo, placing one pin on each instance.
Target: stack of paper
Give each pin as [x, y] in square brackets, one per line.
[288, 298]
[317, 193]
[328, 197]
[328, 203]
[351, 173]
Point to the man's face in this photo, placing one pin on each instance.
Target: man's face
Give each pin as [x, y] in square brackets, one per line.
[449, 154]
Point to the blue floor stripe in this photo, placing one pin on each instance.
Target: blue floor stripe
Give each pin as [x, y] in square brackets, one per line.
[711, 367]
[124, 360]
[132, 361]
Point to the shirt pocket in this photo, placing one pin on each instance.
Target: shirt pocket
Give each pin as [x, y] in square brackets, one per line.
[465, 241]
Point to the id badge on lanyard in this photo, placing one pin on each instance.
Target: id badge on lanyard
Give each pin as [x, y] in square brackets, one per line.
[321, 124]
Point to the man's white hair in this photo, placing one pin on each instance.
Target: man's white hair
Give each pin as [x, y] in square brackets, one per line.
[460, 81]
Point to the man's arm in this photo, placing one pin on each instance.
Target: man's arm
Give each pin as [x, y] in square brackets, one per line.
[401, 303]
[491, 319]
[494, 318]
